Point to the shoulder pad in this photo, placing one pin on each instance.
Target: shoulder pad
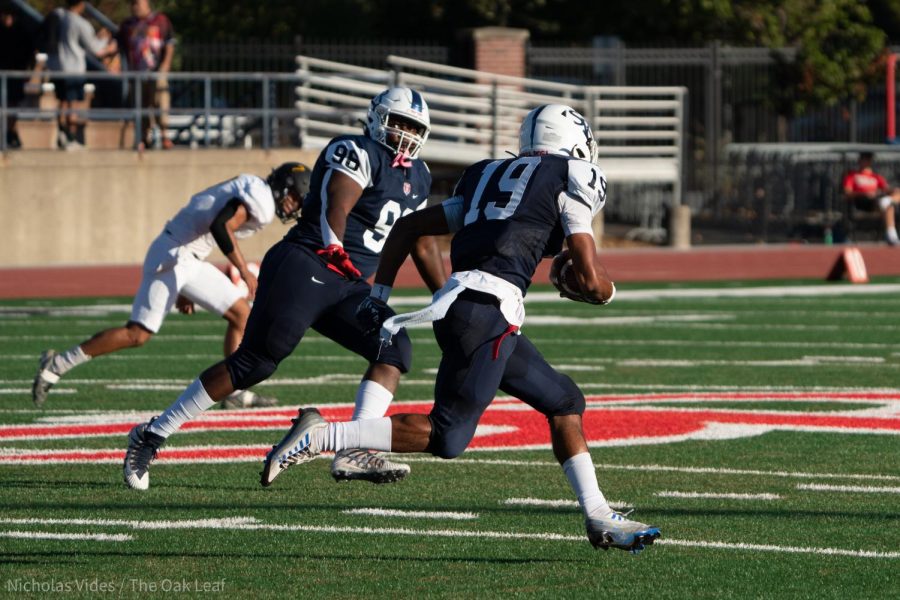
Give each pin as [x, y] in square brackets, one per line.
[588, 183]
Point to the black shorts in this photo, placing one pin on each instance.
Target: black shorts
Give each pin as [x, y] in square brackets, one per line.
[69, 89]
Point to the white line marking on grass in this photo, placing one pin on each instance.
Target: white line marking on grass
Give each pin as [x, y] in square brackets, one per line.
[772, 548]
[250, 523]
[43, 535]
[617, 504]
[801, 362]
[541, 341]
[225, 523]
[549, 320]
[819, 487]
[716, 496]
[17, 391]
[654, 468]
[411, 514]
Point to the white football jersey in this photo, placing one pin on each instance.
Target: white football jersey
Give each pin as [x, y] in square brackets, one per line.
[583, 198]
[190, 227]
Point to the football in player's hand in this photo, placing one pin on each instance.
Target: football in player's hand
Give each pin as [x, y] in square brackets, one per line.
[562, 276]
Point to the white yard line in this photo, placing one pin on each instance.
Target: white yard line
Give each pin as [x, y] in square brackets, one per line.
[616, 504]
[819, 487]
[251, 524]
[411, 514]
[716, 495]
[42, 535]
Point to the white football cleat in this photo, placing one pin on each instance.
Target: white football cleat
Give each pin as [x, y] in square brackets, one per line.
[295, 448]
[616, 531]
[246, 399]
[44, 379]
[143, 446]
[366, 465]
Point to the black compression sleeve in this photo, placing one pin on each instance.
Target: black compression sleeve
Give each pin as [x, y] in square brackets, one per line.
[217, 227]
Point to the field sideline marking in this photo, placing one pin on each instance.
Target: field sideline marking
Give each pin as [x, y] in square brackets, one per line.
[411, 514]
[250, 523]
[819, 487]
[716, 496]
[43, 535]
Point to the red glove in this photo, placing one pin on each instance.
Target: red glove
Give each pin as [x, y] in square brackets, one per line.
[338, 261]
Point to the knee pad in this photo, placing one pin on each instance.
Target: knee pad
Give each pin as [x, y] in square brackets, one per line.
[572, 402]
[450, 443]
[247, 368]
[399, 353]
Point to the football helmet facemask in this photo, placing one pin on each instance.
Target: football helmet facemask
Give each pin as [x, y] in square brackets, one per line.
[284, 179]
[557, 129]
[396, 107]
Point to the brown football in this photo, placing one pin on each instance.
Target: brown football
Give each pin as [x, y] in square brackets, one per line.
[562, 275]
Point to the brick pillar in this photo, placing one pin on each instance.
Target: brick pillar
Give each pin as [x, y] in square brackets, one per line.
[500, 50]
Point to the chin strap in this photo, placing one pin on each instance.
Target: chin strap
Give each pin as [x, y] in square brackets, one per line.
[401, 159]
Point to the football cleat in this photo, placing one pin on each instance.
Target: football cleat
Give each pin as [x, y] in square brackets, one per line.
[295, 448]
[616, 531]
[45, 378]
[366, 465]
[246, 399]
[143, 446]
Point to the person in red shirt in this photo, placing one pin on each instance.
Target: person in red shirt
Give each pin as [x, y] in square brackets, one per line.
[869, 191]
[148, 41]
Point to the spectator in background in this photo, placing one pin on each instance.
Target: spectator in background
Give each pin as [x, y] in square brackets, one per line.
[148, 41]
[15, 55]
[868, 191]
[75, 37]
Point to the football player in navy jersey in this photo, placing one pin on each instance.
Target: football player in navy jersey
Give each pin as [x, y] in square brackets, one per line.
[315, 277]
[506, 215]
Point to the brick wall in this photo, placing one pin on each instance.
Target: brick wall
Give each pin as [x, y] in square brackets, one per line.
[500, 50]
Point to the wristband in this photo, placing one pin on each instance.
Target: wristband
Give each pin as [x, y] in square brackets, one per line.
[381, 292]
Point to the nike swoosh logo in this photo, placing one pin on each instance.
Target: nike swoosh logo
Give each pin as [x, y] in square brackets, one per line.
[415, 196]
[317, 281]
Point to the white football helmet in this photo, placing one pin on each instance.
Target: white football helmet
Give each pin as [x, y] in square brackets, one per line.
[557, 129]
[403, 104]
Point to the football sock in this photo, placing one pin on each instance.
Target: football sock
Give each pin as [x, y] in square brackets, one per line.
[68, 360]
[374, 434]
[192, 401]
[372, 400]
[583, 479]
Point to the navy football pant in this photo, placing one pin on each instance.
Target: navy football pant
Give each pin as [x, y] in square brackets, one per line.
[297, 291]
[469, 375]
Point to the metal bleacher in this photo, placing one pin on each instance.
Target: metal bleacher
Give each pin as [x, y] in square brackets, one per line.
[476, 115]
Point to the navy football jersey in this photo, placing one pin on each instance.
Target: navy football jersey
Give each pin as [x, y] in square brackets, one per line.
[509, 214]
[388, 194]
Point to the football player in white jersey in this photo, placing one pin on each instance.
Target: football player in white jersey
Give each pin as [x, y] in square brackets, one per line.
[175, 272]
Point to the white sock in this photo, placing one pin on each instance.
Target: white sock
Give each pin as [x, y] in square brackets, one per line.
[372, 400]
[373, 434]
[892, 234]
[583, 479]
[68, 360]
[192, 401]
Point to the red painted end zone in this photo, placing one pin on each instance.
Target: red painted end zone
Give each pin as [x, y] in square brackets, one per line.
[652, 264]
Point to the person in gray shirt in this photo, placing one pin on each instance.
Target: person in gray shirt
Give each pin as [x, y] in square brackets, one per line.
[75, 37]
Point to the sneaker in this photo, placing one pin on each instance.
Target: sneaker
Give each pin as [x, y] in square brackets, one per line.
[366, 465]
[143, 446]
[45, 378]
[246, 399]
[616, 531]
[295, 448]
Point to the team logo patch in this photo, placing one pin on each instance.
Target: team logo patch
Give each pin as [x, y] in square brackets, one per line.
[407, 187]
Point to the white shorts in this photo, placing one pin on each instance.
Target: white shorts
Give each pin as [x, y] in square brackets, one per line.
[170, 270]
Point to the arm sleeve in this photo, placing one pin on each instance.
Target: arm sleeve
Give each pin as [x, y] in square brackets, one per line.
[453, 211]
[218, 229]
[587, 184]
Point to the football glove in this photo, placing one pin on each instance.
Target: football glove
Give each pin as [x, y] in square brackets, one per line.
[337, 259]
[371, 313]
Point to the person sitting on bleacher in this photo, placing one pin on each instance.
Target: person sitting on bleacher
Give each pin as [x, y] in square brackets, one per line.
[868, 191]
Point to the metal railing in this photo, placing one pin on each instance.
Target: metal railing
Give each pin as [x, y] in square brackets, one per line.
[197, 115]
